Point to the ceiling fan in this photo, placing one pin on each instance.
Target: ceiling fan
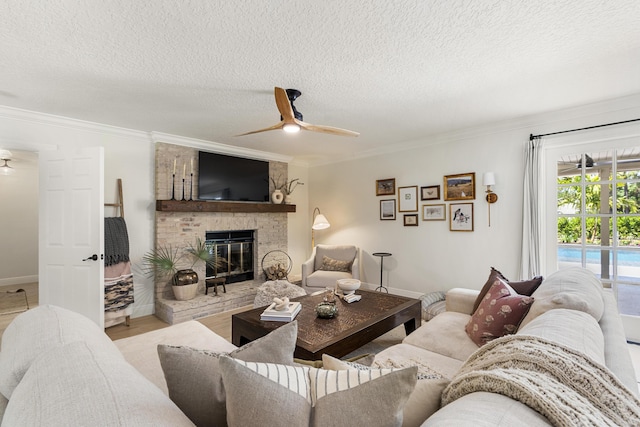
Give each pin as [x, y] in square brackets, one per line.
[571, 167]
[291, 119]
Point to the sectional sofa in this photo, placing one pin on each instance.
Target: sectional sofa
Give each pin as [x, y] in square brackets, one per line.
[58, 368]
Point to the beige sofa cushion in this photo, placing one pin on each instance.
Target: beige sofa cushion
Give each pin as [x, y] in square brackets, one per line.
[3, 406]
[264, 394]
[194, 379]
[486, 410]
[425, 398]
[406, 354]
[573, 288]
[445, 335]
[572, 328]
[616, 351]
[323, 278]
[39, 330]
[78, 384]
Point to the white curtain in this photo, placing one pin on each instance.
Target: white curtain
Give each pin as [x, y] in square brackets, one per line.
[532, 210]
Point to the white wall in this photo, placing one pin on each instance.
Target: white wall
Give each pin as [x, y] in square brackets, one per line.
[128, 155]
[299, 231]
[19, 220]
[430, 257]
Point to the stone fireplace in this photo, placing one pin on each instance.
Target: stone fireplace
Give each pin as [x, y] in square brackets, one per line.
[185, 221]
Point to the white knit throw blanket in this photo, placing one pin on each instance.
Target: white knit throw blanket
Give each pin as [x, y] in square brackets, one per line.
[566, 386]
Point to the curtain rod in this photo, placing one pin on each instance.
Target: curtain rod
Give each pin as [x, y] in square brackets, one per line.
[532, 136]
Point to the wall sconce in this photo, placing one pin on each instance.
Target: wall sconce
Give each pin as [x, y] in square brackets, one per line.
[319, 223]
[488, 179]
[5, 169]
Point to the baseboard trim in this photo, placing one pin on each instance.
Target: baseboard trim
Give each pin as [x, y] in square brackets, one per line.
[394, 291]
[18, 280]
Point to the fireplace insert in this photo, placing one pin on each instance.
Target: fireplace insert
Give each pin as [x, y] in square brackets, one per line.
[233, 255]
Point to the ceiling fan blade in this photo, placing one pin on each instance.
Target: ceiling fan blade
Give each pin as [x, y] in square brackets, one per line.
[284, 106]
[326, 129]
[274, 127]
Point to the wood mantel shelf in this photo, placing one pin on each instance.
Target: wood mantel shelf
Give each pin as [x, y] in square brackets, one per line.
[220, 206]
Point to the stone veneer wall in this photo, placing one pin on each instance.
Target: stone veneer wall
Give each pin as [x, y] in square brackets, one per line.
[180, 229]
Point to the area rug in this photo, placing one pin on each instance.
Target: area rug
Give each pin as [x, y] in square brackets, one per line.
[12, 302]
[393, 337]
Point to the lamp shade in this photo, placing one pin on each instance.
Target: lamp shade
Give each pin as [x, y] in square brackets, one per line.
[5, 154]
[320, 222]
[488, 179]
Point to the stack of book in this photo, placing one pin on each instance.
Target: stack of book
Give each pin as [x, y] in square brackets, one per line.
[273, 315]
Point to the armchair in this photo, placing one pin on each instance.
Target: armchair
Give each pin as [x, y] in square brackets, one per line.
[329, 263]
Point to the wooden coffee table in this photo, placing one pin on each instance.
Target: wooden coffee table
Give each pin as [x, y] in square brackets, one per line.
[355, 325]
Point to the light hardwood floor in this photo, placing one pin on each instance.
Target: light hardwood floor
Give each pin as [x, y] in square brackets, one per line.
[218, 323]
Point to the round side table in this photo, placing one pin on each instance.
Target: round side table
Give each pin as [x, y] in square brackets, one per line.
[381, 255]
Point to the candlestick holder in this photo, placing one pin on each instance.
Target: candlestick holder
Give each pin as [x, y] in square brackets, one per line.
[183, 198]
[173, 186]
[191, 187]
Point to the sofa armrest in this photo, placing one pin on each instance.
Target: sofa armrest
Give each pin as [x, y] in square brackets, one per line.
[461, 300]
[308, 267]
[355, 268]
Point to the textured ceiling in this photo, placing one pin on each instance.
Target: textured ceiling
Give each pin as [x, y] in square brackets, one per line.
[396, 71]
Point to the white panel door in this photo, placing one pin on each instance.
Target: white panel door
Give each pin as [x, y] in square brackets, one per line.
[71, 247]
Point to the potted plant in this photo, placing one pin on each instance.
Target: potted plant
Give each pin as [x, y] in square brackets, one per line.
[164, 263]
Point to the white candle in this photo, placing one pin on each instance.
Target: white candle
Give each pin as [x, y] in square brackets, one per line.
[174, 166]
[192, 166]
[184, 171]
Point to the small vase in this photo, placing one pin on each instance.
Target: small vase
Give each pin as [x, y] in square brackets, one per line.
[287, 199]
[277, 197]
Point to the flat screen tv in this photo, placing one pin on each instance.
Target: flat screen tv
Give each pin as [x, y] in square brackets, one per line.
[223, 177]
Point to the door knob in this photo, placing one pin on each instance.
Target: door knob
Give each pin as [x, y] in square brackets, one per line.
[93, 257]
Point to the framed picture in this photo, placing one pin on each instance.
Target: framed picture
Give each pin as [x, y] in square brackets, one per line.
[434, 212]
[408, 199]
[431, 192]
[388, 209]
[386, 187]
[460, 187]
[461, 217]
[411, 220]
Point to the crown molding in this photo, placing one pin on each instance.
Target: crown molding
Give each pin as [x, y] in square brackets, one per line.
[69, 123]
[217, 147]
[543, 122]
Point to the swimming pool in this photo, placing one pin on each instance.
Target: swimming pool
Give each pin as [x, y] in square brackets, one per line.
[570, 254]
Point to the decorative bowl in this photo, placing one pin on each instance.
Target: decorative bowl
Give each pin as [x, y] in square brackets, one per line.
[348, 286]
[326, 310]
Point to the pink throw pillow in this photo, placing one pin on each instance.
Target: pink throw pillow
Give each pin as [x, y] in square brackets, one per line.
[499, 313]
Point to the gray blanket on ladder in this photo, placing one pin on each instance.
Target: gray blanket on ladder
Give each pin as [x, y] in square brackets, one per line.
[116, 241]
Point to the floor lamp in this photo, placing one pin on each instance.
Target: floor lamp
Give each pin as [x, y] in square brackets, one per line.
[319, 223]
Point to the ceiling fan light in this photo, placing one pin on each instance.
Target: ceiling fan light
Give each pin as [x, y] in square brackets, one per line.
[291, 128]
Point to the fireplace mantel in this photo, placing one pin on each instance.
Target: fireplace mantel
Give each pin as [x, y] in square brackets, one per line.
[220, 206]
